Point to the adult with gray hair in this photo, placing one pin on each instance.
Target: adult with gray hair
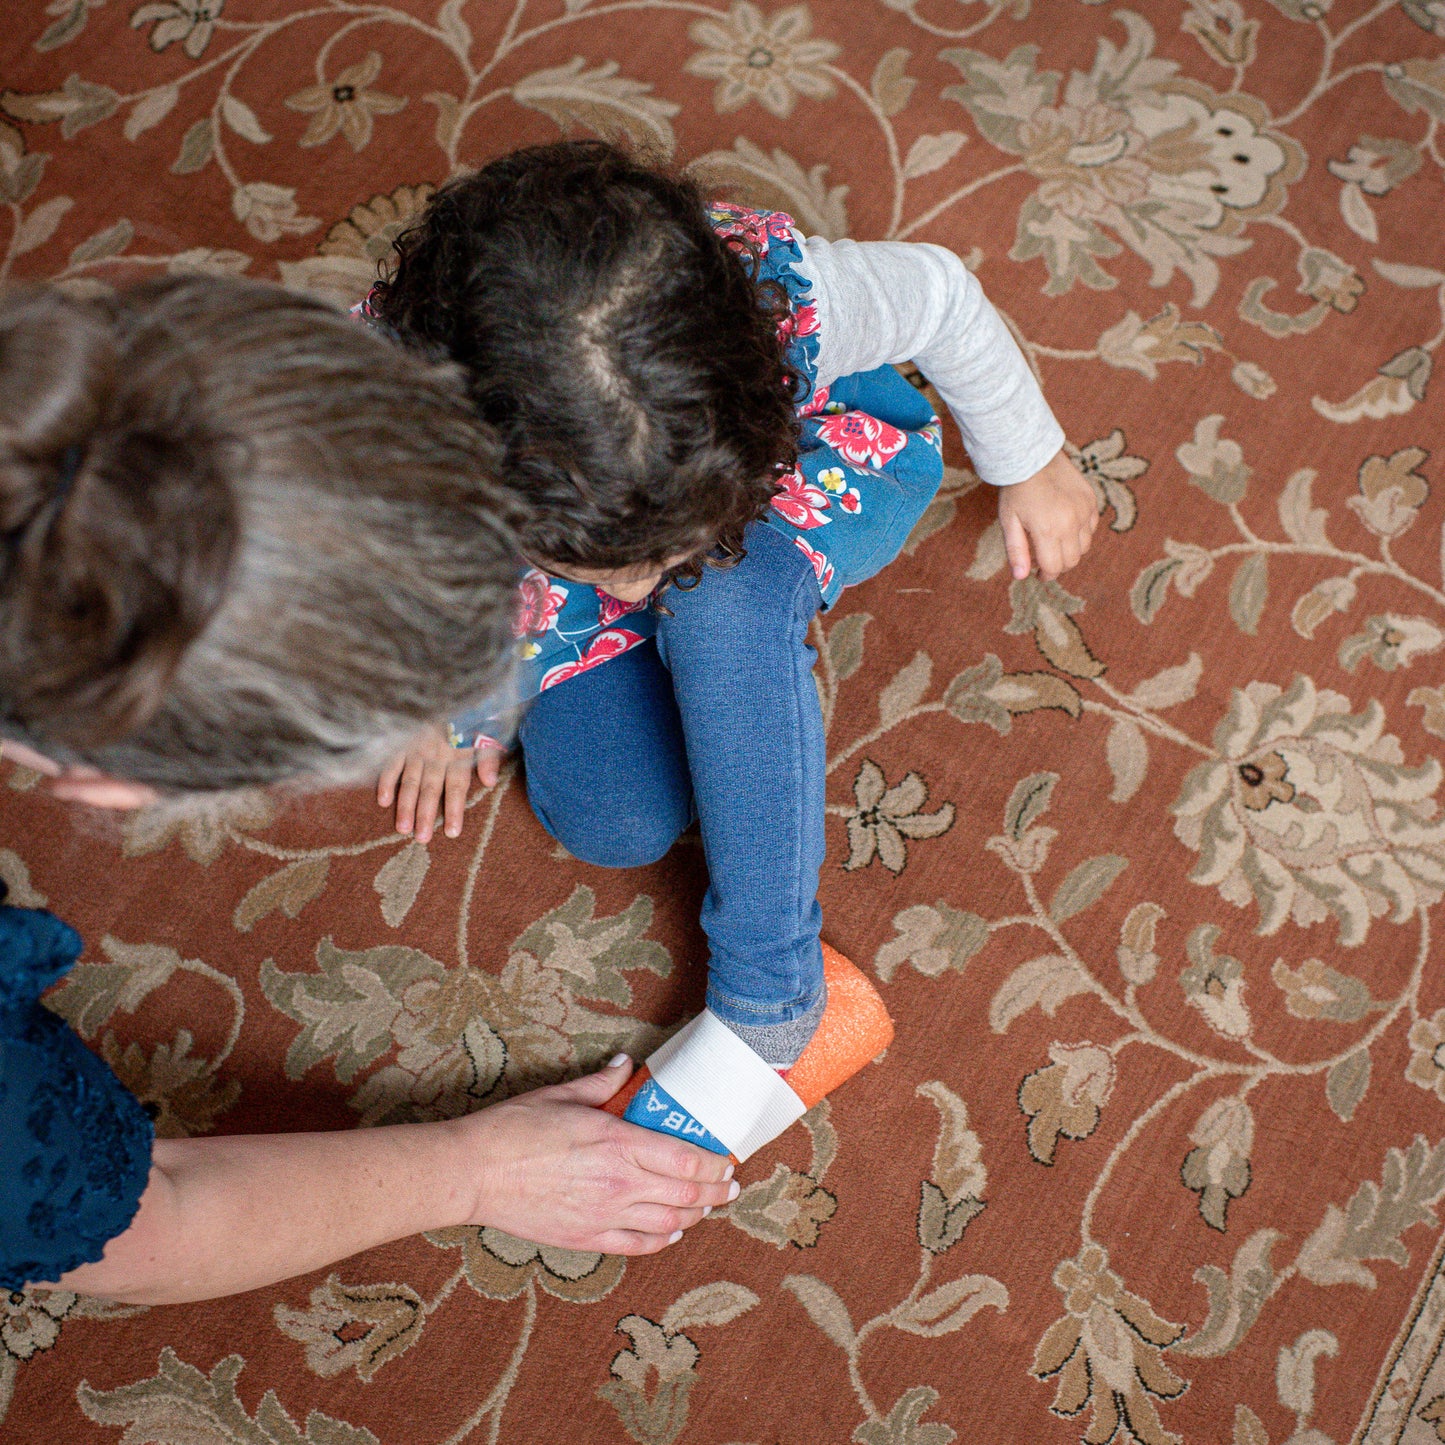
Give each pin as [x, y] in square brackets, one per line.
[244, 542]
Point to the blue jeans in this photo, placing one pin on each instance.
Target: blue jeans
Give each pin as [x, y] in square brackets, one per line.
[718, 720]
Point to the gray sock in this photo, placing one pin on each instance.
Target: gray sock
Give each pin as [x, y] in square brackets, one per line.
[780, 1044]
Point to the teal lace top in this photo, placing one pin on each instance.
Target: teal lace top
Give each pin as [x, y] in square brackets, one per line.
[75, 1144]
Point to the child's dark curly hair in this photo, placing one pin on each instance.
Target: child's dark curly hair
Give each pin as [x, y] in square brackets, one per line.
[623, 350]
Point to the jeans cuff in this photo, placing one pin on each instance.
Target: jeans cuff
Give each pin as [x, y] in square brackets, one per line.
[750, 1011]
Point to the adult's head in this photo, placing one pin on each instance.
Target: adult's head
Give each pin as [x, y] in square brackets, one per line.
[242, 538]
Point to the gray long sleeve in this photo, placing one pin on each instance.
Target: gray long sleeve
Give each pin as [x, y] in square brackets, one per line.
[889, 301]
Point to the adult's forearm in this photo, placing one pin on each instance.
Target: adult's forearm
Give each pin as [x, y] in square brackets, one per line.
[229, 1214]
[224, 1215]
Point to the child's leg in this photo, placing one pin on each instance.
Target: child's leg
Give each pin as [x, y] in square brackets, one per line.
[736, 646]
[606, 766]
[615, 758]
[778, 1000]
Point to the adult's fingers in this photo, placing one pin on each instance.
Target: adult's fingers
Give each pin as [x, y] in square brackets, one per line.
[671, 1158]
[429, 800]
[684, 1174]
[660, 1219]
[1016, 544]
[594, 1089]
[628, 1241]
[663, 1190]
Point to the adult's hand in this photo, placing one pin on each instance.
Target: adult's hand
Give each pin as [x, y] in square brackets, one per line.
[555, 1169]
[225, 1214]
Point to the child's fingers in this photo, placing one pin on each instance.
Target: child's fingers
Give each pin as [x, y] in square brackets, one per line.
[1016, 544]
[411, 776]
[454, 807]
[1049, 556]
[429, 800]
[489, 764]
[386, 783]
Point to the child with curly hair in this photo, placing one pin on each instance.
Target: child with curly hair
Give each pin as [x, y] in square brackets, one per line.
[709, 442]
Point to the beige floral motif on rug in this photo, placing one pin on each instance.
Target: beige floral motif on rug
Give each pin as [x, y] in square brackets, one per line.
[1147, 862]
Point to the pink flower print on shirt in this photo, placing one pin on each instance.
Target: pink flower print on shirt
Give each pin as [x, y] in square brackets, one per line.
[815, 403]
[801, 321]
[739, 223]
[862, 439]
[474, 741]
[603, 648]
[800, 502]
[779, 225]
[822, 567]
[539, 600]
[610, 608]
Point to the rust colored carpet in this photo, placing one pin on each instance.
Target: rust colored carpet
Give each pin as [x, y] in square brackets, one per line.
[1148, 867]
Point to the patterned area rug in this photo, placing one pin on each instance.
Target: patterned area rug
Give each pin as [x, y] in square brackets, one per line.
[1147, 865]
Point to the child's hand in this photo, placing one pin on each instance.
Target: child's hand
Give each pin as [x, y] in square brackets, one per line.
[433, 774]
[1056, 511]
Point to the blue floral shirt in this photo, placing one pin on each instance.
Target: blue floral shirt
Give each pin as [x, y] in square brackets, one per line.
[870, 459]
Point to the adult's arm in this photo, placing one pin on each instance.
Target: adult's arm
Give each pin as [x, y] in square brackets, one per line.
[223, 1215]
[91, 1200]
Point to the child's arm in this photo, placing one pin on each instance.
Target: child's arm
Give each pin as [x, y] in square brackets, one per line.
[433, 775]
[889, 301]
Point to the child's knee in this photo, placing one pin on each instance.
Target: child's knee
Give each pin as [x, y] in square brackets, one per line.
[616, 841]
[757, 596]
[623, 847]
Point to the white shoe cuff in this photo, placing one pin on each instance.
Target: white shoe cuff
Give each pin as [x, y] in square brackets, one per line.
[738, 1097]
